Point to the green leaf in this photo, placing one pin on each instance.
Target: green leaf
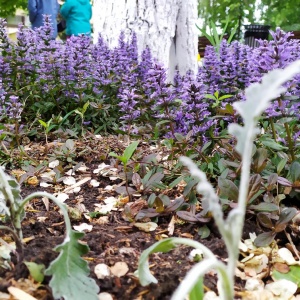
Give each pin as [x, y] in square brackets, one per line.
[260, 159]
[85, 106]
[264, 239]
[254, 185]
[293, 275]
[44, 124]
[155, 178]
[228, 189]
[192, 183]
[130, 150]
[286, 215]
[205, 146]
[70, 272]
[264, 220]
[175, 181]
[179, 137]
[295, 171]
[36, 270]
[281, 165]
[204, 232]
[272, 144]
[197, 292]
[151, 200]
[264, 206]
[209, 96]
[224, 97]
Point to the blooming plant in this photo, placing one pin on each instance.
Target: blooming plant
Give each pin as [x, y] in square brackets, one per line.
[258, 97]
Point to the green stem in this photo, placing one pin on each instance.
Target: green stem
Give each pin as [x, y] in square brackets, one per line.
[126, 182]
[290, 141]
[273, 129]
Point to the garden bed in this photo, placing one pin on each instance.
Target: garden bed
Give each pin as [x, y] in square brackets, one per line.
[110, 241]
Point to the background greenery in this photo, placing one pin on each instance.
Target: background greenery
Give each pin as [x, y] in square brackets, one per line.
[276, 13]
[283, 14]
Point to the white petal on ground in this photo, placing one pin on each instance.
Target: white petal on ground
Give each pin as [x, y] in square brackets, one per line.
[4, 296]
[69, 180]
[111, 200]
[105, 296]
[54, 164]
[83, 168]
[94, 183]
[147, 227]
[287, 256]
[110, 203]
[283, 289]
[76, 189]
[102, 271]
[45, 184]
[19, 294]
[109, 188]
[70, 189]
[48, 175]
[119, 269]
[101, 167]
[256, 265]
[254, 284]
[83, 227]
[62, 197]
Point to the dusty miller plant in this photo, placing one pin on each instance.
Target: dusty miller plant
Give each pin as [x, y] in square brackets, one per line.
[69, 271]
[258, 97]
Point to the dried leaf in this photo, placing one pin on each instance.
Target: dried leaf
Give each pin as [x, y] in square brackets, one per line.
[171, 226]
[19, 294]
[119, 269]
[254, 185]
[281, 267]
[174, 205]
[264, 220]
[123, 191]
[147, 227]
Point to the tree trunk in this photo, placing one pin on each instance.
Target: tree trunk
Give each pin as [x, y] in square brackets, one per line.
[167, 27]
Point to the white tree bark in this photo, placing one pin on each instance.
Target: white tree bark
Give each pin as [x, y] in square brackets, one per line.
[167, 27]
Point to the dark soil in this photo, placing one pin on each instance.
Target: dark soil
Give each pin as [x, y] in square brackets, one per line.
[107, 243]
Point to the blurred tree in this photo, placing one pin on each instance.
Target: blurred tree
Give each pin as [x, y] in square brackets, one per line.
[276, 13]
[237, 11]
[283, 14]
[9, 7]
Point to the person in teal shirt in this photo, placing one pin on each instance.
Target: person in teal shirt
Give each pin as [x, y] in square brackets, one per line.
[77, 14]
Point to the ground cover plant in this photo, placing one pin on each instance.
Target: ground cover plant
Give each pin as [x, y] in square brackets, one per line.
[67, 104]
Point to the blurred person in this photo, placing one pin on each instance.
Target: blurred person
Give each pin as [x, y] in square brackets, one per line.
[77, 14]
[38, 8]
